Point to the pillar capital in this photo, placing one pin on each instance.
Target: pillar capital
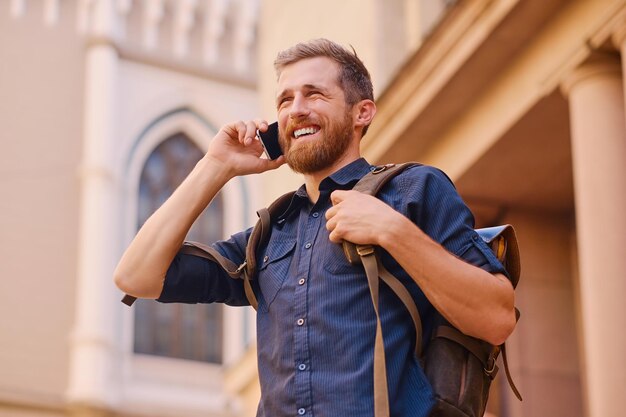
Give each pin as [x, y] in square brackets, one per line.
[598, 65]
[618, 37]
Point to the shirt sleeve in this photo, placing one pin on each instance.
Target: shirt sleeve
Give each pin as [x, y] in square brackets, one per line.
[193, 279]
[436, 207]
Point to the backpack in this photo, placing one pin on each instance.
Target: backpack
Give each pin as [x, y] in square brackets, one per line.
[459, 368]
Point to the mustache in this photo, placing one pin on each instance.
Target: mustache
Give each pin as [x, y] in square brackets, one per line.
[299, 123]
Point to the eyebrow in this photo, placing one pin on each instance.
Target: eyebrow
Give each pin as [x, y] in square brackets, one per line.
[305, 87]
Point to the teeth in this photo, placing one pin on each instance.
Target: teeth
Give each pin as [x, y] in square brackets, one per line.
[304, 131]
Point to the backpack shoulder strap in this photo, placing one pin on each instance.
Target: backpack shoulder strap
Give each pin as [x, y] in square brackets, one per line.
[247, 270]
[371, 184]
[259, 236]
[376, 179]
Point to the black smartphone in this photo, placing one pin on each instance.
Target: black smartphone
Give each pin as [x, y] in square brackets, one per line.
[269, 140]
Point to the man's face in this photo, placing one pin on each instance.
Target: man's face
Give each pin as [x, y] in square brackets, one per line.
[315, 124]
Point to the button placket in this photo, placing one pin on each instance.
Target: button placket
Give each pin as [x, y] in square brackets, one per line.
[302, 356]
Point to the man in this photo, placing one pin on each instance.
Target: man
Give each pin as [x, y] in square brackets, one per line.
[316, 323]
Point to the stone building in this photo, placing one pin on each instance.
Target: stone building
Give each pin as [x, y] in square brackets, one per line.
[105, 104]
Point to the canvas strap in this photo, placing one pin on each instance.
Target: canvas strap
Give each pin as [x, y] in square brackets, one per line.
[503, 241]
[374, 270]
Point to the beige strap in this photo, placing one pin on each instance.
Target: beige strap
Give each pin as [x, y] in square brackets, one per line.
[403, 294]
[381, 394]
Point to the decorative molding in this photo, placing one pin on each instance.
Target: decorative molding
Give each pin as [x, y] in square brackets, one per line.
[618, 37]
[183, 23]
[598, 64]
[213, 35]
[153, 12]
[18, 8]
[51, 12]
[614, 19]
[83, 15]
[214, 26]
[245, 29]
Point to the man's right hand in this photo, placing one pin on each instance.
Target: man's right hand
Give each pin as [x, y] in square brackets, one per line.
[237, 150]
[233, 151]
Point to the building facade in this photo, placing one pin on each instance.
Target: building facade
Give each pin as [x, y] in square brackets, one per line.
[521, 102]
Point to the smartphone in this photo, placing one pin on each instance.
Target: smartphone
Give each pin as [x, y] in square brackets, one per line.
[269, 140]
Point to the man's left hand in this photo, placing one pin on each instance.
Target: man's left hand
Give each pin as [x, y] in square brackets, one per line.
[358, 218]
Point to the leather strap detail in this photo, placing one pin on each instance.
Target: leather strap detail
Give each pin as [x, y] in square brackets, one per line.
[129, 300]
[381, 393]
[403, 294]
[247, 287]
[205, 251]
[474, 346]
[508, 373]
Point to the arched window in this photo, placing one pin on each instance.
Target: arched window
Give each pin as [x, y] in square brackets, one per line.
[177, 330]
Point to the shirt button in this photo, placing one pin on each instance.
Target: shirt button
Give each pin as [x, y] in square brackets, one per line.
[315, 214]
[300, 322]
[301, 411]
[301, 281]
[302, 367]
[308, 245]
[266, 258]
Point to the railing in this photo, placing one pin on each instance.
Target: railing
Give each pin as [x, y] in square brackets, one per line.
[199, 33]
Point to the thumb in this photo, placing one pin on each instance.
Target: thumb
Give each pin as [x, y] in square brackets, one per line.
[269, 164]
[338, 196]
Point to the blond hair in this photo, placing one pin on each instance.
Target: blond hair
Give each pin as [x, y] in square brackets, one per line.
[354, 78]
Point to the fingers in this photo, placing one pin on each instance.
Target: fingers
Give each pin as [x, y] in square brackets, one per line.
[338, 196]
[246, 131]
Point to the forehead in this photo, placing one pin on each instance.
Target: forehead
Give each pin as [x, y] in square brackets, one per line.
[318, 71]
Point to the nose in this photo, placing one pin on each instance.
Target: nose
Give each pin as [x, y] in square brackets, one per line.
[299, 107]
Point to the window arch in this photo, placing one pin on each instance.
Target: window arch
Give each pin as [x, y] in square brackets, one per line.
[177, 330]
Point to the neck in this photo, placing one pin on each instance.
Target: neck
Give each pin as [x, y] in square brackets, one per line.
[312, 180]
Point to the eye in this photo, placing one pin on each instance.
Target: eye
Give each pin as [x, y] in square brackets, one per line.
[283, 101]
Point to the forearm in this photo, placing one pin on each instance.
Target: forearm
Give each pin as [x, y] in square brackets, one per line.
[475, 301]
[143, 266]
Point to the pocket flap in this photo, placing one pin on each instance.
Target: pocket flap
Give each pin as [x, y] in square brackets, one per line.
[276, 251]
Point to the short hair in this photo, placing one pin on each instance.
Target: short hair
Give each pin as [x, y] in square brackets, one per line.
[354, 78]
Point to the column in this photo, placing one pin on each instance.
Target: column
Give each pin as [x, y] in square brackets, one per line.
[598, 134]
[619, 41]
[92, 387]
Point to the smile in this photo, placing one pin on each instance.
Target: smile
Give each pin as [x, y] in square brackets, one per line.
[305, 131]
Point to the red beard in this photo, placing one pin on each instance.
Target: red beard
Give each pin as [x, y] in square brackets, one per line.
[307, 157]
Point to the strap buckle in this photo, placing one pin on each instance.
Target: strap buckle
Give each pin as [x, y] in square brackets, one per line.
[241, 267]
[491, 373]
[364, 250]
[382, 168]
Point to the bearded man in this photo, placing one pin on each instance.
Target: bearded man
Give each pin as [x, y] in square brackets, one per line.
[316, 324]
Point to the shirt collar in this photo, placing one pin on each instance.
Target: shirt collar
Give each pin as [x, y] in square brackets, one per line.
[342, 179]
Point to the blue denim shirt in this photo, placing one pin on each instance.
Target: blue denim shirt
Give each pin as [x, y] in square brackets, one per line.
[315, 322]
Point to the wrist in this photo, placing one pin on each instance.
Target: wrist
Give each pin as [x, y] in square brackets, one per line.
[215, 170]
[394, 231]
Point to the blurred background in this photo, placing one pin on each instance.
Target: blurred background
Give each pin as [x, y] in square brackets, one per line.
[105, 105]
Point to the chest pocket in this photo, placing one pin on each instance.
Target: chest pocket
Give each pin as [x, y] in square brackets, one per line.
[273, 270]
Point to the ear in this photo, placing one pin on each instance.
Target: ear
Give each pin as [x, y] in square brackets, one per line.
[364, 112]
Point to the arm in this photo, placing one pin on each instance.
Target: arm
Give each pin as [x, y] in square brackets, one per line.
[232, 152]
[476, 302]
